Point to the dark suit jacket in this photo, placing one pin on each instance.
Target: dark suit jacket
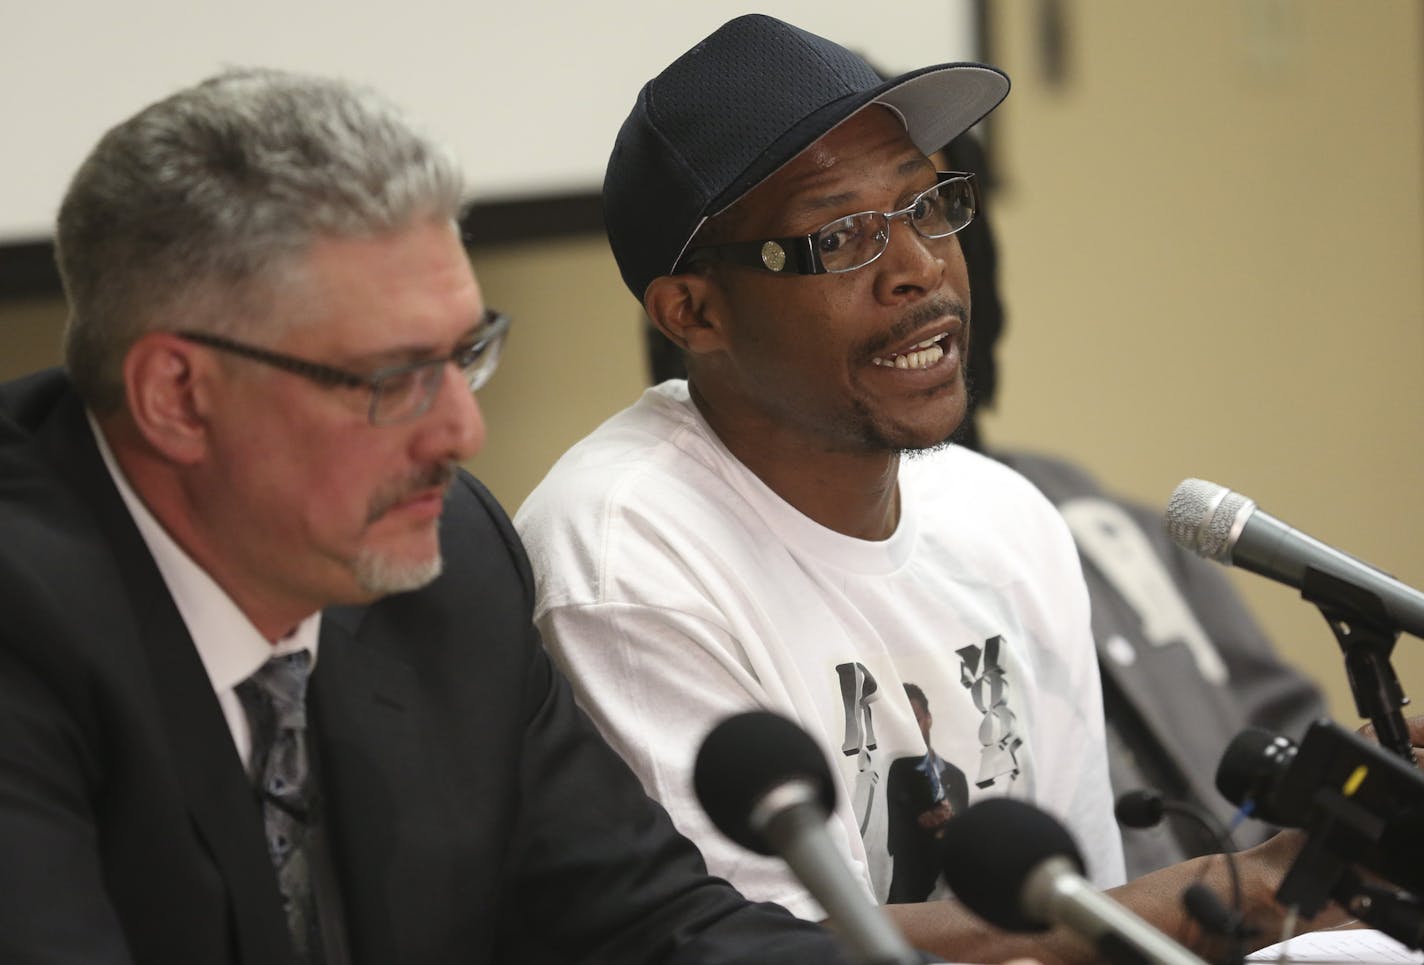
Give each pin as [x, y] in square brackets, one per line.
[916, 851]
[474, 814]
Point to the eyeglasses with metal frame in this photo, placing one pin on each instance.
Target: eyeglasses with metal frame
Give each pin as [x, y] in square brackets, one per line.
[399, 393]
[855, 240]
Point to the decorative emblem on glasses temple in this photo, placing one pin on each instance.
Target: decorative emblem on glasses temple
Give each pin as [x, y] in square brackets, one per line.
[773, 256]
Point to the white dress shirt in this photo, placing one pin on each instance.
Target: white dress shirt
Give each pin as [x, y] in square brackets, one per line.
[230, 647]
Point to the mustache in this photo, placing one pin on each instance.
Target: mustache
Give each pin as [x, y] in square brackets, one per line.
[922, 314]
[436, 476]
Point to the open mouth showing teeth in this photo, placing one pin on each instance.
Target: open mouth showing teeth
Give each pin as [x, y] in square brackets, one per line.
[920, 356]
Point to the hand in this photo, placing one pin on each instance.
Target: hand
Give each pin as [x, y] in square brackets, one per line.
[1262, 869]
[1416, 733]
[935, 817]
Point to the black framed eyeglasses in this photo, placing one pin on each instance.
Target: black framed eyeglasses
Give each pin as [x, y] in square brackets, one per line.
[398, 393]
[857, 239]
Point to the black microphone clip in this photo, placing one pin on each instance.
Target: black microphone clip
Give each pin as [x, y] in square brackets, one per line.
[1145, 808]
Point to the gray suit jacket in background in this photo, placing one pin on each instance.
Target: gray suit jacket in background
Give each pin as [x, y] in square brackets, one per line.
[1176, 689]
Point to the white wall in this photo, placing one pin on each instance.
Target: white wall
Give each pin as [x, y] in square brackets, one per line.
[529, 93]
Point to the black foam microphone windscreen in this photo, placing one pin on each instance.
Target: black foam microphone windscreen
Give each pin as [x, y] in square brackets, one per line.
[748, 755]
[1139, 809]
[1018, 868]
[1145, 808]
[990, 850]
[1250, 767]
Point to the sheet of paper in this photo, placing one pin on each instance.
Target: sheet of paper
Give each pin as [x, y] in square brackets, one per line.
[1341, 945]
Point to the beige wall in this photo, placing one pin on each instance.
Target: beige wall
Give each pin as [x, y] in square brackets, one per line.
[575, 357]
[29, 333]
[1212, 240]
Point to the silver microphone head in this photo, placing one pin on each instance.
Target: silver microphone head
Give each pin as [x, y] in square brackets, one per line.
[1206, 518]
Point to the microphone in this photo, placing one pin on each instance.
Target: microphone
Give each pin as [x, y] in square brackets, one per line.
[1145, 808]
[1018, 868]
[1250, 768]
[1360, 807]
[766, 785]
[1362, 802]
[1225, 526]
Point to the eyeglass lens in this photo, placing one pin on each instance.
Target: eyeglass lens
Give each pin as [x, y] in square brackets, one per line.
[409, 392]
[858, 239]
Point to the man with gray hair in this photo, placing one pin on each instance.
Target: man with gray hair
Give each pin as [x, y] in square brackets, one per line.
[269, 686]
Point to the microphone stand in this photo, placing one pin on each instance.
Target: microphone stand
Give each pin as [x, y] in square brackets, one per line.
[1322, 872]
[1362, 629]
[1397, 913]
[1200, 902]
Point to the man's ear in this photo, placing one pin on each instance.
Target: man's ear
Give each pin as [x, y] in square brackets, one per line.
[167, 381]
[688, 309]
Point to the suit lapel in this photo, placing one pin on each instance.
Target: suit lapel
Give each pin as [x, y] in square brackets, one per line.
[220, 798]
[365, 718]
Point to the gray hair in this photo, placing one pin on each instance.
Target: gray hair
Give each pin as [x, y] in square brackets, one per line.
[190, 213]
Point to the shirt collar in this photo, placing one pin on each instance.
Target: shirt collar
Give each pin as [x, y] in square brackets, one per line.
[230, 647]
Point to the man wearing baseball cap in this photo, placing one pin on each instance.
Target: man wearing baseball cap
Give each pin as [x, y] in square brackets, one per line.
[788, 529]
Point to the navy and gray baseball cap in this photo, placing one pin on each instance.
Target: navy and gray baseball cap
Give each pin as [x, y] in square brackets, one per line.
[746, 100]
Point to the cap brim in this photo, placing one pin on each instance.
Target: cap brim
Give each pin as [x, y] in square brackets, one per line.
[940, 103]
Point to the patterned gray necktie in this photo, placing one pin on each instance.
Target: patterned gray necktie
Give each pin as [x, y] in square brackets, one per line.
[275, 700]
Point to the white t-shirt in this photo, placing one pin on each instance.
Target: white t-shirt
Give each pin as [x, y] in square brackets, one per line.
[676, 589]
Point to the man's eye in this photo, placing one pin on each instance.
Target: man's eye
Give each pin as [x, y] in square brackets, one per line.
[924, 206]
[837, 237]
